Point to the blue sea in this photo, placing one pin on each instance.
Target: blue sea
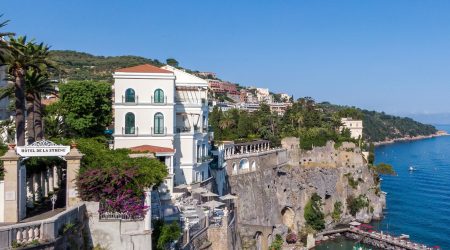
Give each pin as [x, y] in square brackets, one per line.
[418, 202]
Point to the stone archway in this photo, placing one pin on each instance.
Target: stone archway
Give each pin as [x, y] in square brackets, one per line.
[287, 217]
[258, 240]
[15, 187]
[244, 165]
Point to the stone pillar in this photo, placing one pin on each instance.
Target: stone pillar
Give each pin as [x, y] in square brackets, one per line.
[11, 185]
[43, 184]
[186, 228]
[206, 217]
[46, 184]
[30, 192]
[73, 165]
[51, 182]
[56, 177]
[36, 191]
[148, 214]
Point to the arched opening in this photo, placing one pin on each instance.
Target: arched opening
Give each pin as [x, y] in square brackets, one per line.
[287, 216]
[235, 170]
[253, 166]
[129, 124]
[158, 96]
[258, 240]
[158, 124]
[130, 95]
[244, 165]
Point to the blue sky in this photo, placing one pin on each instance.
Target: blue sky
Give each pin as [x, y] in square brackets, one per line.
[383, 55]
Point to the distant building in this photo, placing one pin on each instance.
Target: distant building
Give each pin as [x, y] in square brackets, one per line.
[355, 127]
[217, 86]
[263, 95]
[285, 97]
[279, 107]
[247, 96]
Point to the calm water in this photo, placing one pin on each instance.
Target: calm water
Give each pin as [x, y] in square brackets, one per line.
[418, 203]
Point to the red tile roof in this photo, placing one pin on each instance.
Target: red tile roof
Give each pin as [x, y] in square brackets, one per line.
[151, 149]
[144, 68]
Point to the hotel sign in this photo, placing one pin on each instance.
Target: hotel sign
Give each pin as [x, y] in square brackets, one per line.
[43, 148]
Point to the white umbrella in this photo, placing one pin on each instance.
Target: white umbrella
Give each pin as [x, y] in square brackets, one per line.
[209, 194]
[213, 204]
[199, 190]
[228, 197]
[354, 223]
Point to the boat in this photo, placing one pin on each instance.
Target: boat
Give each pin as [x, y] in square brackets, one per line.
[404, 236]
[411, 168]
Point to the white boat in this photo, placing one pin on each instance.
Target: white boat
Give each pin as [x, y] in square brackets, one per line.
[411, 168]
[404, 236]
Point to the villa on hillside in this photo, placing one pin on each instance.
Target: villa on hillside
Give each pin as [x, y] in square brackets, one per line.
[164, 111]
[355, 126]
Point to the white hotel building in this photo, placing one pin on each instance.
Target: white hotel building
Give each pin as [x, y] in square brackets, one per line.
[164, 111]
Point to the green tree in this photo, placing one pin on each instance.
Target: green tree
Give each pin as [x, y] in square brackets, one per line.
[313, 213]
[24, 55]
[86, 107]
[4, 46]
[37, 84]
[169, 233]
[172, 62]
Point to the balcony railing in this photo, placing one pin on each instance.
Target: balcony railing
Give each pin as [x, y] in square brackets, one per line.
[198, 101]
[159, 131]
[136, 101]
[131, 131]
[183, 129]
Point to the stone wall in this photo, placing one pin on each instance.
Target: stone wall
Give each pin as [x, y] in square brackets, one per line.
[117, 234]
[272, 199]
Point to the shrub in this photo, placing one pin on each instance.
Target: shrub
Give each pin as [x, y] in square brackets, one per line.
[337, 211]
[277, 244]
[291, 238]
[313, 213]
[169, 233]
[356, 204]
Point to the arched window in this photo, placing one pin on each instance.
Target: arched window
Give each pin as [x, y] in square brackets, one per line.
[129, 95]
[244, 164]
[158, 124]
[159, 96]
[129, 124]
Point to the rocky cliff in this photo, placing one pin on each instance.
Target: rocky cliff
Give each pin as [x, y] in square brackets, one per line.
[272, 199]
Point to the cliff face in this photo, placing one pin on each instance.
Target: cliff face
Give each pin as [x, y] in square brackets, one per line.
[274, 198]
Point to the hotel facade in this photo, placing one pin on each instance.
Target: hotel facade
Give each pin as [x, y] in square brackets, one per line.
[164, 111]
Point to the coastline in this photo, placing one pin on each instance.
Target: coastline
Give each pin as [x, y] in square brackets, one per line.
[414, 138]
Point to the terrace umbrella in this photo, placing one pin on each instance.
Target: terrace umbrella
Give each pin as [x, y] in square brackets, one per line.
[199, 190]
[209, 194]
[228, 197]
[354, 223]
[213, 204]
[182, 186]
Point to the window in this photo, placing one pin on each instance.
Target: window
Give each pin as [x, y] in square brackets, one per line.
[159, 124]
[129, 95]
[129, 124]
[159, 96]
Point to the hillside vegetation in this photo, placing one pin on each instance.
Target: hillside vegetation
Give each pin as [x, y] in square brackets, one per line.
[83, 66]
[315, 122]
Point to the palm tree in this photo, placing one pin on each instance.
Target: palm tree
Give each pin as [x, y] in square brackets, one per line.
[24, 55]
[36, 84]
[4, 50]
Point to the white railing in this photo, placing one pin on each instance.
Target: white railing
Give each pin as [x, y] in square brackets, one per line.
[41, 230]
[118, 216]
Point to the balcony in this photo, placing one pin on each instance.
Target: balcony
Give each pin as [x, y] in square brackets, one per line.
[158, 131]
[130, 132]
[191, 101]
[183, 129]
[138, 102]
